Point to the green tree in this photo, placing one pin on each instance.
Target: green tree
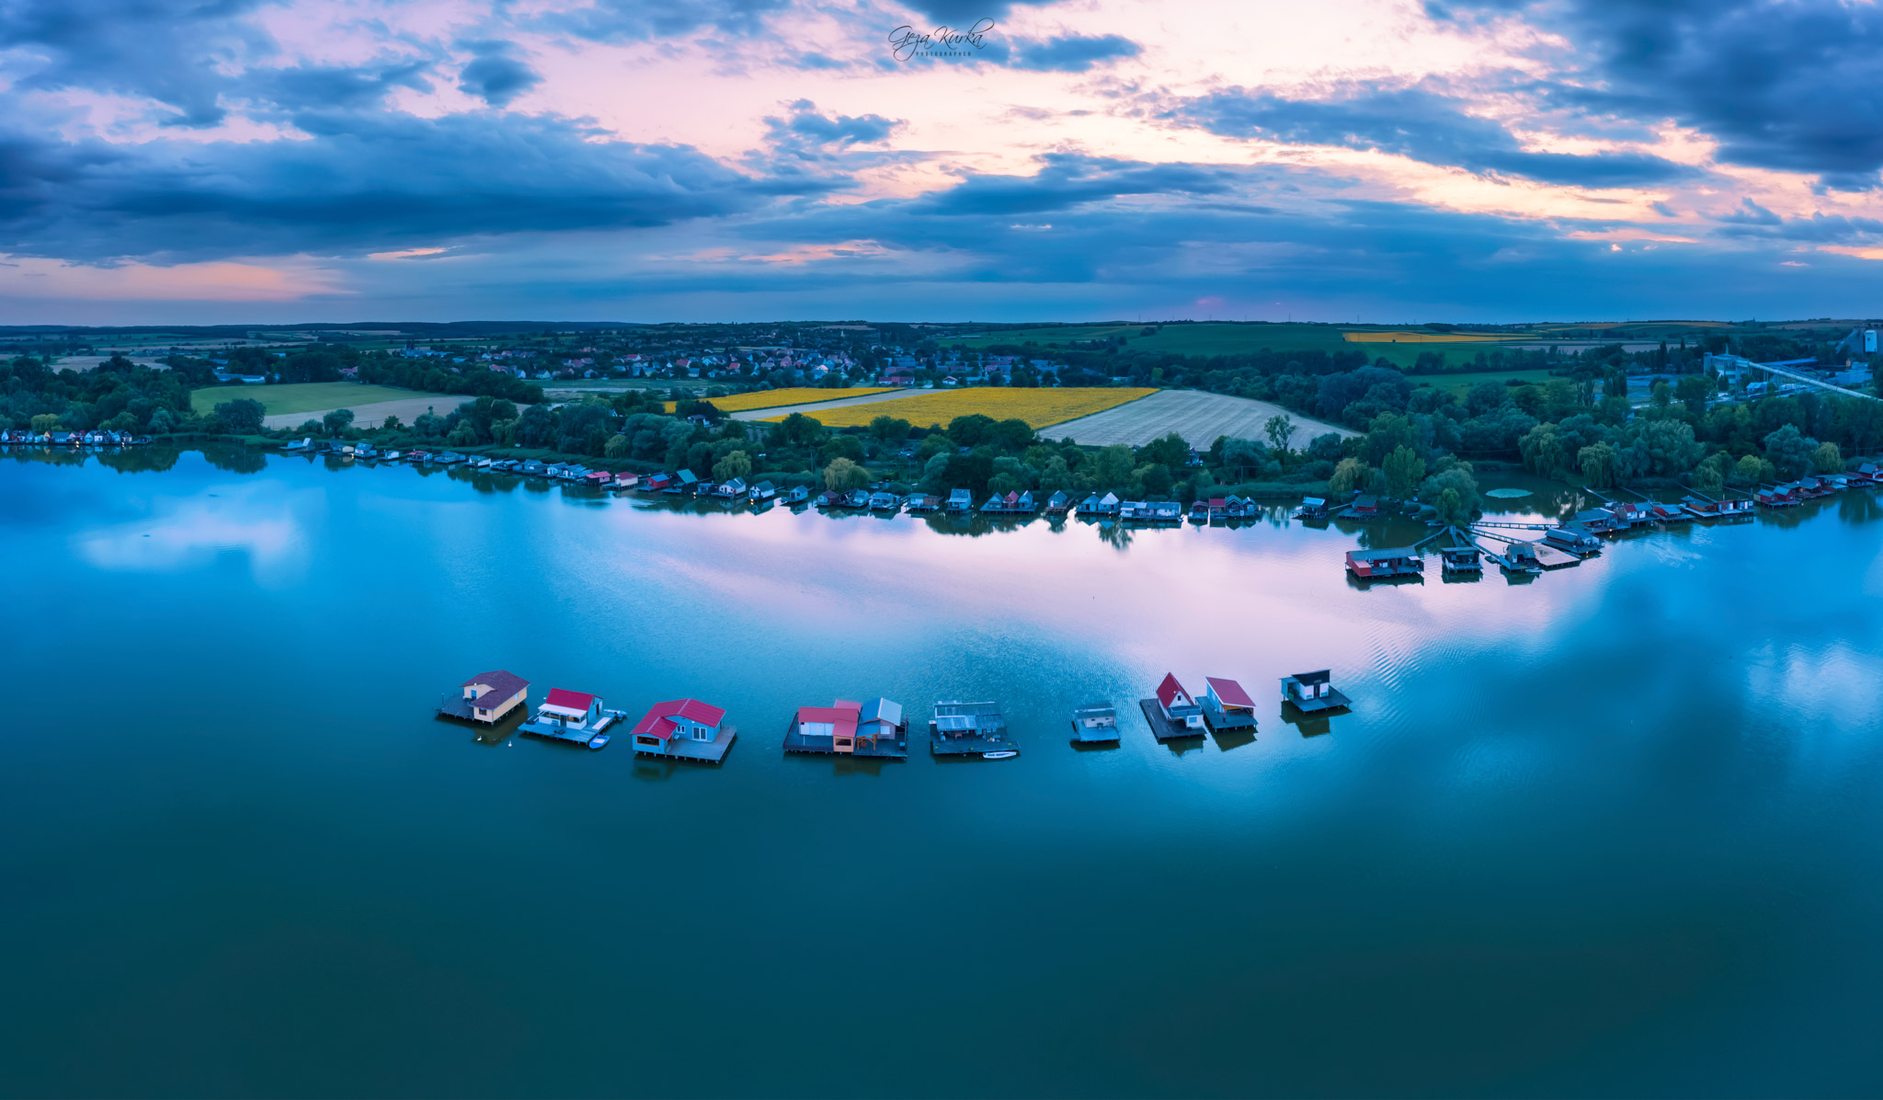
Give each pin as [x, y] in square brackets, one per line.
[1403, 470]
[739, 464]
[1827, 459]
[1597, 462]
[1453, 493]
[616, 447]
[1789, 451]
[843, 475]
[1349, 475]
[1279, 429]
[243, 416]
[1748, 471]
[337, 421]
[1112, 467]
[45, 422]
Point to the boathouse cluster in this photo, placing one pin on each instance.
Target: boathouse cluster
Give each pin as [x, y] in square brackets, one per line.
[1523, 550]
[694, 731]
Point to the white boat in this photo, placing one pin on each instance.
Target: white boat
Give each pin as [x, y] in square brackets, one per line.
[999, 754]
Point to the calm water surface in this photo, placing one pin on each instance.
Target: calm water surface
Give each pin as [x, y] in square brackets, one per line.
[1617, 831]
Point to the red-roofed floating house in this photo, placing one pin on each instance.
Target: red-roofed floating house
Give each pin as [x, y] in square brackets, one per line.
[684, 729]
[572, 717]
[1174, 712]
[1226, 705]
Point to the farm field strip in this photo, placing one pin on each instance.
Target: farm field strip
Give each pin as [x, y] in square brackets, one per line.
[793, 396]
[1038, 407]
[299, 397]
[374, 413]
[1197, 416]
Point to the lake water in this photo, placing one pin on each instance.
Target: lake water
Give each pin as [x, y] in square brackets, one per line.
[1617, 831]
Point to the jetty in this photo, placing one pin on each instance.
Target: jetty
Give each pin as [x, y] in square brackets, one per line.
[572, 718]
[1313, 693]
[874, 730]
[1523, 555]
[684, 729]
[1095, 724]
[970, 729]
[486, 698]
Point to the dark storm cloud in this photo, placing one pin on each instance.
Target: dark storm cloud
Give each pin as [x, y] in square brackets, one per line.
[1072, 53]
[1782, 85]
[312, 87]
[1068, 180]
[804, 128]
[1413, 122]
[638, 20]
[363, 183]
[172, 51]
[495, 74]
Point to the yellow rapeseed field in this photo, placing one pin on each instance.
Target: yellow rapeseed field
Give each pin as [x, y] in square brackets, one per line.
[1038, 407]
[796, 395]
[1377, 337]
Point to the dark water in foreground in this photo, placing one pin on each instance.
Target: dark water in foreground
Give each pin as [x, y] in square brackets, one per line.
[1616, 831]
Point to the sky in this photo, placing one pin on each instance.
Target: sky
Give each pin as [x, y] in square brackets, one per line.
[1396, 161]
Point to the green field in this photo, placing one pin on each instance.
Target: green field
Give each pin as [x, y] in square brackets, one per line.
[301, 397]
[1206, 338]
[1461, 382]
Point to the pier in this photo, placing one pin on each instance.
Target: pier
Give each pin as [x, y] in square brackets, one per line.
[875, 731]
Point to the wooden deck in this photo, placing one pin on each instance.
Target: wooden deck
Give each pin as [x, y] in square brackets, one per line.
[1334, 700]
[568, 735]
[685, 748]
[1219, 720]
[896, 748]
[1163, 728]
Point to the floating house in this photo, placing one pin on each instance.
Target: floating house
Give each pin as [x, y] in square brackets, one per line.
[1100, 506]
[960, 500]
[924, 502]
[856, 498]
[730, 492]
[1520, 557]
[1371, 565]
[1313, 692]
[1172, 712]
[683, 729]
[1573, 539]
[1312, 508]
[1059, 503]
[970, 729]
[1461, 559]
[1095, 724]
[486, 698]
[297, 445]
[656, 483]
[686, 483]
[1869, 472]
[1226, 705]
[1238, 507]
[572, 717]
[798, 495]
[844, 728]
[1364, 507]
[885, 502]
[1700, 506]
[762, 492]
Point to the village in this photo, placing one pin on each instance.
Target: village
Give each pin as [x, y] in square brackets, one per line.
[692, 731]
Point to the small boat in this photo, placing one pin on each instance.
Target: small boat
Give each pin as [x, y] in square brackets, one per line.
[999, 754]
[598, 742]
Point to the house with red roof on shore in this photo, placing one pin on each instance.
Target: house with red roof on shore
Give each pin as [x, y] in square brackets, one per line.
[684, 729]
